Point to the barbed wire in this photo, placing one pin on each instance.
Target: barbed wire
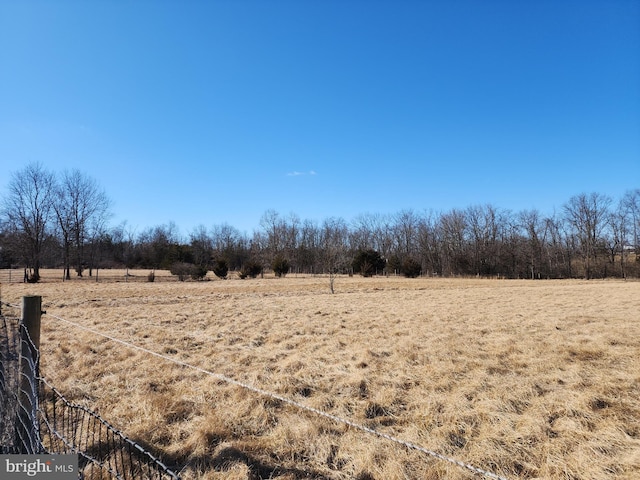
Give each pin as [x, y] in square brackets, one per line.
[288, 401]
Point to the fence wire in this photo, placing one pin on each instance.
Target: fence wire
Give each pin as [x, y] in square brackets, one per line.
[300, 406]
[66, 427]
[9, 361]
[106, 452]
[37, 418]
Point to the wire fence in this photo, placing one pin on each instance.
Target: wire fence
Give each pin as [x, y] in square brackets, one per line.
[17, 275]
[293, 403]
[66, 427]
[36, 418]
[9, 359]
[104, 452]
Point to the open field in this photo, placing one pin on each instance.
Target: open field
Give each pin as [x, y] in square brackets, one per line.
[524, 379]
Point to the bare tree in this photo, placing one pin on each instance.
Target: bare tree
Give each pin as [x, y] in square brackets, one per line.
[159, 246]
[512, 246]
[291, 233]
[64, 216]
[97, 234]
[273, 234]
[405, 231]
[587, 215]
[82, 209]
[631, 205]
[308, 246]
[429, 245]
[533, 225]
[361, 234]
[229, 244]
[617, 238]
[482, 225]
[123, 240]
[28, 208]
[452, 227]
[201, 246]
[334, 247]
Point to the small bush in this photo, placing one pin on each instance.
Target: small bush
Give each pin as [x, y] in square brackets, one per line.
[368, 263]
[181, 269]
[151, 277]
[411, 268]
[251, 268]
[198, 272]
[221, 269]
[394, 264]
[280, 266]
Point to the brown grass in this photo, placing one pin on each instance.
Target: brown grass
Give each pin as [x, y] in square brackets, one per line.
[525, 379]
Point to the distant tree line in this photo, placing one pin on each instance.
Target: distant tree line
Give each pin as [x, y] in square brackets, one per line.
[61, 221]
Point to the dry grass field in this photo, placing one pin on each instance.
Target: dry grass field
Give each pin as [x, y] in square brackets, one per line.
[524, 379]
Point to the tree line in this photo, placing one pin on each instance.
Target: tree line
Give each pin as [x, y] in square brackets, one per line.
[62, 221]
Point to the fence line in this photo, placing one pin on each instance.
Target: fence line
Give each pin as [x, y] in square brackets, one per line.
[71, 428]
[48, 275]
[11, 275]
[9, 346]
[27, 430]
[275, 396]
[37, 418]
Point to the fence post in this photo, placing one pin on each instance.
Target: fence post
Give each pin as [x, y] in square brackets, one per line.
[31, 314]
[27, 431]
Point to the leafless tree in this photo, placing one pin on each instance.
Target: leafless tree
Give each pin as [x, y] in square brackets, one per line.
[483, 225]
[452, 227]
[158, 245]
[82, 209]
[587, 215]
[405, 230]
[201, 246]
[533, 227]
[273, 232]
[229, 244]
[308, 247]
[429, 244]
[631, 205]
[28, 209]
[291, 232]
[123, 239]
[617, 238]
[361, 232]
[334, 248]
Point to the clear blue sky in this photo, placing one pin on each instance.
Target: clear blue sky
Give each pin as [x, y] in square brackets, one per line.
[205, 112]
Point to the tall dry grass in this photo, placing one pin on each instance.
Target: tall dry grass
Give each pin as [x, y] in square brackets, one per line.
[525, 379]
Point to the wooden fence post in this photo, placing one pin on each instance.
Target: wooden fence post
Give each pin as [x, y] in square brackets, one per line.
[31, 314]
[27, 431]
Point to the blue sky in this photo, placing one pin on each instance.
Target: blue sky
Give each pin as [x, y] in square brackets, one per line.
[206, 112]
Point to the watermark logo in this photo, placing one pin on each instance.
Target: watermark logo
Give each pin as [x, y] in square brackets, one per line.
[49, 467]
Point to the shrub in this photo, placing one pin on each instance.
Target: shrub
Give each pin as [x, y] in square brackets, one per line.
[251, 268]
[411, 268]
[280, 266]
[394, 264]
[368, 263]
[221, 268]
[198, 272]
[151, 277]
[181, 269]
